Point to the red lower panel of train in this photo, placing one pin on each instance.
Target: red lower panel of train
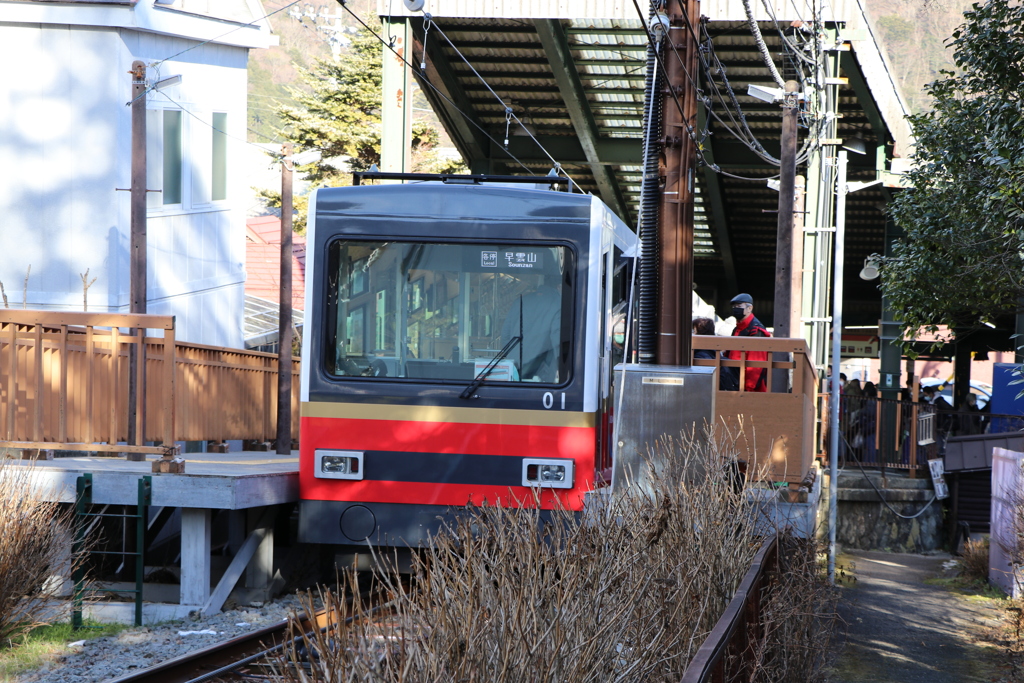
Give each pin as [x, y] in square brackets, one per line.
[445, 463]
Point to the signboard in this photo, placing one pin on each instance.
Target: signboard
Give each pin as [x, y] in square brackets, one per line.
[938, 478]
[858, 346]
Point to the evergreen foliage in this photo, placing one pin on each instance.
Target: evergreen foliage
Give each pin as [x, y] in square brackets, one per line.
[338, 113]
[961, 260]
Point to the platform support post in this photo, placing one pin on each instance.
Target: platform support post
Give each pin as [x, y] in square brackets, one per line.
[260, 572]
[83, 499]
[236, 530]
[195, 556]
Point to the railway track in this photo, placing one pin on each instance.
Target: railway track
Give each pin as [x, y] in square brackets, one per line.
[227, 660]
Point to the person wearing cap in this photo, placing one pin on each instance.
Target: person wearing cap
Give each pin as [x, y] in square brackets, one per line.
[748, 326]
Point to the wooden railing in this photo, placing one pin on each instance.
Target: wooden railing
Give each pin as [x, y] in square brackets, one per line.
[773, 429]
[64, 384]
[730, 647]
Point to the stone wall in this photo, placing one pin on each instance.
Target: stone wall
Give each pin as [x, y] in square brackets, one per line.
[865, 523]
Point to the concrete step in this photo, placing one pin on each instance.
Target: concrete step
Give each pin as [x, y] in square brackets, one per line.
[857, 480]
[894, 487]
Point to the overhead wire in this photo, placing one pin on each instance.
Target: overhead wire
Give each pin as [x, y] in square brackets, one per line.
[690, 131]
[761, 47]
[206, 123]
[782, 35]
[425, 81]
[752, 143]
[237, 28]
[700, 150]
[508, 110]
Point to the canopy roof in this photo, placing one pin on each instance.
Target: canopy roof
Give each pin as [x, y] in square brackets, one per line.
[578, 85]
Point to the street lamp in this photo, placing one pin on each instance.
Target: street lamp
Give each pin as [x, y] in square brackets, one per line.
[870, 269]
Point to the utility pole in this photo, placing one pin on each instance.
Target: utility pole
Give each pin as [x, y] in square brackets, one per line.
[837, 334]
[284, 333]
[679, 152]
[787, 267]
[137, 267]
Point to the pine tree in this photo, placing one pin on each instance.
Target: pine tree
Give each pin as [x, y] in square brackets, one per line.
[340, 116]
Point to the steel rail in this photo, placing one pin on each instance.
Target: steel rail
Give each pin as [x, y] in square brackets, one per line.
[225, 657]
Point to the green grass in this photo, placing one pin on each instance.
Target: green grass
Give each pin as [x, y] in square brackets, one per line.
[978, 590]
[45, 643]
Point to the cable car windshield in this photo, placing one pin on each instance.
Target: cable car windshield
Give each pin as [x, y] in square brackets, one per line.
[436, 311]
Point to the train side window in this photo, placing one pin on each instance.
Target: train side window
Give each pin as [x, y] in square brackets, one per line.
[445, 311]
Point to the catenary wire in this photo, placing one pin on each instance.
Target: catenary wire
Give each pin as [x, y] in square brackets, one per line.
[508, 109]
[423, 80]
[183, 108]
[237, 28]
[675, 100]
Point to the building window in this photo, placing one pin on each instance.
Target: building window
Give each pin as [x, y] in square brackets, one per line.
[219, 189]
[172, 157]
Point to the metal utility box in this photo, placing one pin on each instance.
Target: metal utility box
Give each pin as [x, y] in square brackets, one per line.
[653, 402]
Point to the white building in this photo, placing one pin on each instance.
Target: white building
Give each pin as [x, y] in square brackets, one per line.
[65, 147]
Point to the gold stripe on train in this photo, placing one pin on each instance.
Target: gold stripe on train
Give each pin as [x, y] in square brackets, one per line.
[496, 416]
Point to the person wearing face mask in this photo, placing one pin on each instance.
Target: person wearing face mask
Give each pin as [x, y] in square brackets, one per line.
[748, 326]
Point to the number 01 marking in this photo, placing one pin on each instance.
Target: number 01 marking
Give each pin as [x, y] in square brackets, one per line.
[549, 400]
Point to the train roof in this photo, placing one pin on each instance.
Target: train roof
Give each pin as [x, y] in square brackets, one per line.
[455, 202]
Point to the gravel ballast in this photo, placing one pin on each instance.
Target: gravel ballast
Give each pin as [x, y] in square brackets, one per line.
[103, 659]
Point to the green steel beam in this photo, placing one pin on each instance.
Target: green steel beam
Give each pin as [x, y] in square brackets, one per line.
[568, 150]
[852, 71]
[557, 49]
[502, 45]
[713, 189]
[581, 31]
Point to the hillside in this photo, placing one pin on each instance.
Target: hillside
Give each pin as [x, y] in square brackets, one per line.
[914, 33]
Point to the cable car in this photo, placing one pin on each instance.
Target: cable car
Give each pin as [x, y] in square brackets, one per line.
[458, 351]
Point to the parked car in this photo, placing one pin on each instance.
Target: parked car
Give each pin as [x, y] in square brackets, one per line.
[945, 388]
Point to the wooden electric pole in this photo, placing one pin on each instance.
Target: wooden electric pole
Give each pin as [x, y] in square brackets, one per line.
[137, 266]
[787, 267]
[679, 152]
[284, 333]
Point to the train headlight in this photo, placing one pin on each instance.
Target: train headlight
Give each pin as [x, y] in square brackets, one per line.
[549, 473]
[338, 464]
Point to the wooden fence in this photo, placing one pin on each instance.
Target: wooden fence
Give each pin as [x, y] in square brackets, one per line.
[775, 429]
[64, 384]
[730, 647]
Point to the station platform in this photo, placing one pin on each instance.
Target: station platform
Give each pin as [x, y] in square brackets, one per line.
[218, 481]
[250, 484]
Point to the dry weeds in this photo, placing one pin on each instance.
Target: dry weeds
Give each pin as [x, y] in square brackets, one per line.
[627, 593]
[974, 561]
[34, 547]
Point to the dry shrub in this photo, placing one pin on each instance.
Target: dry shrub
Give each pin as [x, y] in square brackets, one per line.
[627, 592]
[34, 547]
[799, 616]
[973, 561]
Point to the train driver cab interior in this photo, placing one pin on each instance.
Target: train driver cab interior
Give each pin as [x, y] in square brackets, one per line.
[432, 312]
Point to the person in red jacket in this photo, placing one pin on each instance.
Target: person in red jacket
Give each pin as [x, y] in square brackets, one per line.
[749, 326]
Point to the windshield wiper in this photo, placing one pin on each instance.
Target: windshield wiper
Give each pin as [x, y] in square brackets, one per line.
[479, 379]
